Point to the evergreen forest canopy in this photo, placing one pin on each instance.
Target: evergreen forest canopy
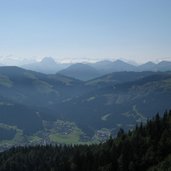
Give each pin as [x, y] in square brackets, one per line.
[146, 148]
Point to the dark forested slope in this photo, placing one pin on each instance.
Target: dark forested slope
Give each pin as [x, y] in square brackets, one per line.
[145, 148]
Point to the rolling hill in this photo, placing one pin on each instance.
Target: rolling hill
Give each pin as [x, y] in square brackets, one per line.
[40, 108]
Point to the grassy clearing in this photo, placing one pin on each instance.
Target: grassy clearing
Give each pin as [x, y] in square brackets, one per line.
[72, 138]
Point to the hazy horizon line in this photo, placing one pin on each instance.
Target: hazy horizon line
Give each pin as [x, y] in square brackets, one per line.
[25, 61]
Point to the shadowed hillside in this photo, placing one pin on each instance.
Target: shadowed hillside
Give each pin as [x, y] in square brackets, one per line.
[38, 108]
[147, 147]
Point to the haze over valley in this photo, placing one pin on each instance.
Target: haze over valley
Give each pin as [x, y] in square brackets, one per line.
[38, 108]
[85, 85]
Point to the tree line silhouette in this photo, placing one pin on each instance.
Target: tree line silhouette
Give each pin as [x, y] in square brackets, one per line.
[147, 147]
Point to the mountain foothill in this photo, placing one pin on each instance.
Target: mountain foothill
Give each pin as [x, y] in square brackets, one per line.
[80, 103]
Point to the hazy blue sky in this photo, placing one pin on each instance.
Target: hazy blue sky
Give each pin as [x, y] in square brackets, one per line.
[137, 30]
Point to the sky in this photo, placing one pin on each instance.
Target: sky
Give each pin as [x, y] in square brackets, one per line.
[85, 30]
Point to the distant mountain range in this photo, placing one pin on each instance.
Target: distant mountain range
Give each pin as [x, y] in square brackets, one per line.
[116, 66]
[85, 72]
[41, 107]
[47, 65]
[90, 71]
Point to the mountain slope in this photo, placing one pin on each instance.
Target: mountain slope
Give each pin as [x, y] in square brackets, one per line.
[117, 77]
[80, 71]
[120, 105]
[68, 110]
[24, 118]
[164, 66]
[149, 66]
[26, 96]
[30, 87]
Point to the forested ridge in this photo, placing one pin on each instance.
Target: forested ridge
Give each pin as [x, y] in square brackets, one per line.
[36, 107]
[147, 147]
